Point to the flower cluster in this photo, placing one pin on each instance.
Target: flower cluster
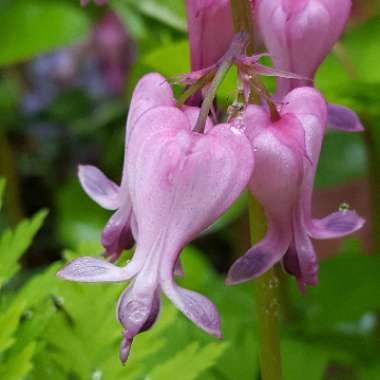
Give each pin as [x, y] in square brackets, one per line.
[179, 178]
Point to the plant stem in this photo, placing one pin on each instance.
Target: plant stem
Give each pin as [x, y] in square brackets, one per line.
[267, 304]
[373, 151]
[267, 299]
[238, 45]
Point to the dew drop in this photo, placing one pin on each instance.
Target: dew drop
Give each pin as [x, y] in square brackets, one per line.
[344, 207]
[97, 375]
[273, 283]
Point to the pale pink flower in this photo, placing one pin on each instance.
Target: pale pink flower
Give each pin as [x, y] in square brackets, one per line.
[286, 157]
[176, 183]
[299, 34]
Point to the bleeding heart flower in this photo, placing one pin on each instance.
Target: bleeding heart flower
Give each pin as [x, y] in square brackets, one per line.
[299, 34]
[210, 31]
[151, 91]
[179, 183]
[286, 158]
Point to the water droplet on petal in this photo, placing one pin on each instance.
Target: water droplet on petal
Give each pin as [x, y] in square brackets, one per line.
[344, 207]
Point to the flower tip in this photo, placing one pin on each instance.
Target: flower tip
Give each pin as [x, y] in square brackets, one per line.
[229, 281]
[125, 349]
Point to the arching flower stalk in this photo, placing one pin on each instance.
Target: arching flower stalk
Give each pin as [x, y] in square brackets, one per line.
[176, 183]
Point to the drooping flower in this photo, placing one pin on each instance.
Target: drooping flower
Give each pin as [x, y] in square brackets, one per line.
[151, 91]
[210, 31]
[176, 182]
[286, 158]
[299, 34]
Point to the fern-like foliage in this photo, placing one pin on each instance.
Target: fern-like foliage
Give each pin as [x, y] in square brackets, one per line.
[82, 339]
[18, 342]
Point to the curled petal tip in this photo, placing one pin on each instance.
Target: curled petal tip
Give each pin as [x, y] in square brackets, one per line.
[90, 269]
[125, 349]
[343, 119]
[336, 225]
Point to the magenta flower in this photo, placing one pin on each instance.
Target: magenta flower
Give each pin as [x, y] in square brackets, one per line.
[299, 34]
[286, 158]
[210, 31]
[176, 183]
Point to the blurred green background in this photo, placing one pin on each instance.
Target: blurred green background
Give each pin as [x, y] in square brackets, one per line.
[66, 75]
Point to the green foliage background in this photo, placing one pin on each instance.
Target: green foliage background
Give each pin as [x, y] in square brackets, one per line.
[51, 329]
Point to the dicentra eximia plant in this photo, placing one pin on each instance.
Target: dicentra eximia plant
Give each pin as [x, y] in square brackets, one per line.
[183, 168]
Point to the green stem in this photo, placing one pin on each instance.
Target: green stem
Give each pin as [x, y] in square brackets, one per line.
[237, 48]
[266, 292]
[267, 304]
[373, 151]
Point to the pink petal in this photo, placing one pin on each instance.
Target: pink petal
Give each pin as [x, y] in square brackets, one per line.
[151, 91]
[299, 34]
[137, 310]
[91, 269]
[196, 307]
[98, 187]
[197, 175]
[208, 40]
[261, 257]
[117, 235]
[336, 225]
[344, 119]
[178, 269]
[307, 258]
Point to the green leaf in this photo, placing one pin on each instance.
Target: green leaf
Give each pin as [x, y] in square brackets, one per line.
[32, 27]
[300, 358]
[159, 60]
[40, 286]
[18, 366]
[347, 290]
[189, 363]
[169, 12]
[343, 159]
[9, 321]
[13, 245]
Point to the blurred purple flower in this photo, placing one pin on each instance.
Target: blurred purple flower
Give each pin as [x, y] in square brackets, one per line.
[114, 49]
[286, 157]
[299, 34]
[175, 184]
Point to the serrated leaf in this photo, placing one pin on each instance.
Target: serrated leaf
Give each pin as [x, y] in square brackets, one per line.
[18, 366]
[189, 363]
[31, 27]
[13, 245]
[40, 286]
[9, 321]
